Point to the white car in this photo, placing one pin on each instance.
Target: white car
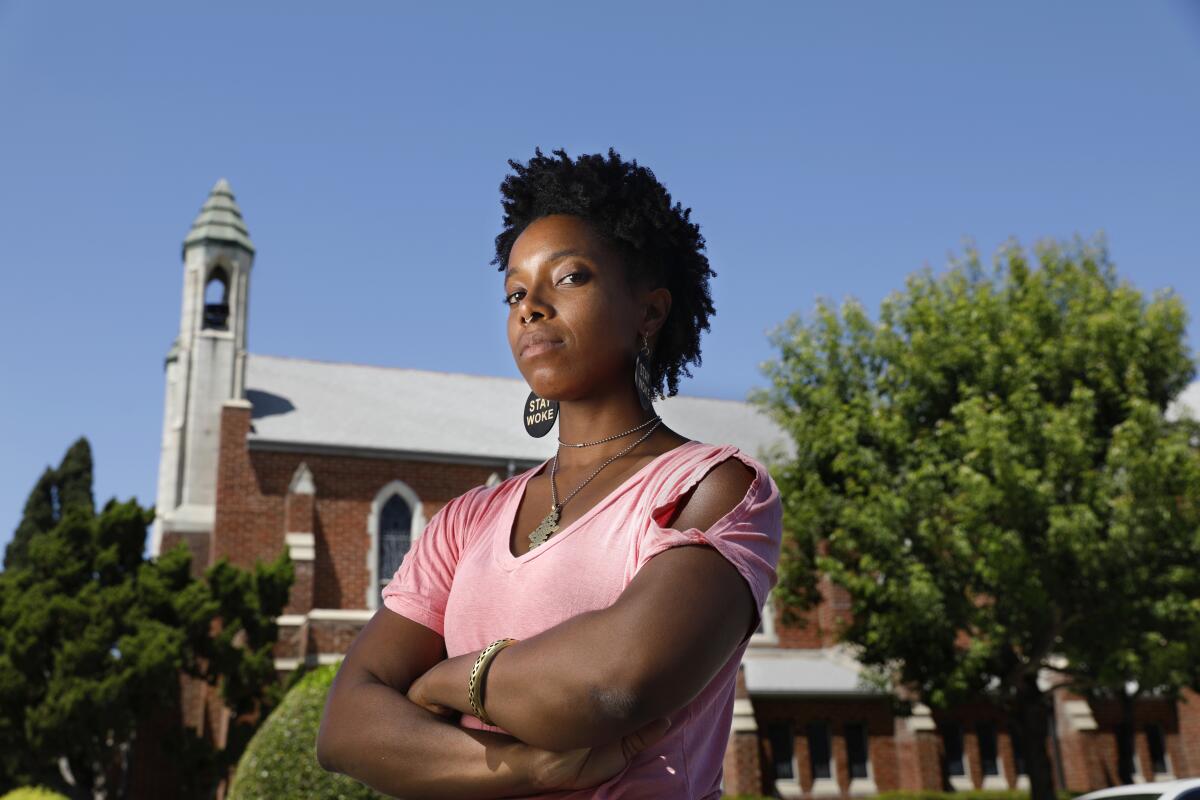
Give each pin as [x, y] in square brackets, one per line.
[1180, 789]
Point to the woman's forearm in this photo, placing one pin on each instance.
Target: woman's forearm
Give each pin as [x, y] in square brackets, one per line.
[558, 690]
[378, 736]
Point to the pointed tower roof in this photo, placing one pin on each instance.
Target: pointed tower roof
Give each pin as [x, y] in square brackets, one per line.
[220, 220]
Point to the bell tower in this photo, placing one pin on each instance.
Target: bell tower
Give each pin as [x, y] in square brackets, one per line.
[205, 366]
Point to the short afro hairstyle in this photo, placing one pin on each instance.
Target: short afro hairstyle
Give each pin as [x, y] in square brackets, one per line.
[627, 206]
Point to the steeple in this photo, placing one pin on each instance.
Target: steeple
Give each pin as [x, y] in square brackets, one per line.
[205, 369]
[220, 220]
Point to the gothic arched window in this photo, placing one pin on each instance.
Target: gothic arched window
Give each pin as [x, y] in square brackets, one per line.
[395, 536]
[216, 300]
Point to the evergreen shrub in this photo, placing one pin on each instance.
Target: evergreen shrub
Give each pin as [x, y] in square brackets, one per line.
[281, 759]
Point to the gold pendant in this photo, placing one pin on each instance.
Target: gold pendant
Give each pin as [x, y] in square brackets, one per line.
[546, 527]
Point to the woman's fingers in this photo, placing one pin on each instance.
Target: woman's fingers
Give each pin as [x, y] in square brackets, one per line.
[644, 736]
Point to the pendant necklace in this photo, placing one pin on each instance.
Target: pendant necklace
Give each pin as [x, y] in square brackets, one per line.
[549, 526]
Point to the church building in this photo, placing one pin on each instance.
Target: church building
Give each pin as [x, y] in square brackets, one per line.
[342, 464]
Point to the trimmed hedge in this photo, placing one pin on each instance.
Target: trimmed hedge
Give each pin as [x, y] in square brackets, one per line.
[974, 794]
[281, 759]
[33, 793]
[970, 794]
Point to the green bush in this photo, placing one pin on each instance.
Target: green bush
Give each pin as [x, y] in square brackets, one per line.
[33, 793]
[281, 759]
[970, 794]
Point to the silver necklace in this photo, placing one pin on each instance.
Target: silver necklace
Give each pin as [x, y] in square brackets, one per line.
[549, 526]
[610, 438]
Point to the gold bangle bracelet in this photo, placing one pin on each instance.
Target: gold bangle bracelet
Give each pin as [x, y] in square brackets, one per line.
[475, 683]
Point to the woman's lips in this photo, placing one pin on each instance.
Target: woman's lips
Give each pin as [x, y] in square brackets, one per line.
[537, 348]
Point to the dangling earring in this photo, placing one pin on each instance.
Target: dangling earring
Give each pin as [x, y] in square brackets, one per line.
[641, 375]
[539, 415]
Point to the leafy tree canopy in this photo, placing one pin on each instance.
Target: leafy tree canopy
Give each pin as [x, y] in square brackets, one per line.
[990, 470]
[93, 636]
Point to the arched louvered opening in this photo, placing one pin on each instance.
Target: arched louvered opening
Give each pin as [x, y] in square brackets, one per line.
[216, 300]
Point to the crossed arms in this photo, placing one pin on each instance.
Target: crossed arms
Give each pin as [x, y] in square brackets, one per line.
[583, 683]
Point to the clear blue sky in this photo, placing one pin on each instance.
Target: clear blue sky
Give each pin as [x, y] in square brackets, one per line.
[825, 149]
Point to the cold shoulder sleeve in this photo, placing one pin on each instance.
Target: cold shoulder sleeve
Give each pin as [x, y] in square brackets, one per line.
[421, 585]
[749, 536]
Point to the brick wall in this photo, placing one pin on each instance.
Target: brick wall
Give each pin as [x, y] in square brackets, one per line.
[254, 511]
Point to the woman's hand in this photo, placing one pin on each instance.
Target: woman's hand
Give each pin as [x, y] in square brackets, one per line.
[418, 694]
[586, 767]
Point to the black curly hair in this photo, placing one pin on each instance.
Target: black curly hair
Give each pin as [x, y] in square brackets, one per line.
[627, 206]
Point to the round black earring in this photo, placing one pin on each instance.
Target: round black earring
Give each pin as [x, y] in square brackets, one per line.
[641, 375]
[539, 415]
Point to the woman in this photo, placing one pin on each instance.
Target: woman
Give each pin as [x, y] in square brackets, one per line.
[594, 608]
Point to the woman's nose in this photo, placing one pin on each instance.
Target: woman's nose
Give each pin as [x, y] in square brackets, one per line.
[533, 304]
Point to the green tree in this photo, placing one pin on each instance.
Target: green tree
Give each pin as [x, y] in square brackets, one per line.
[93, 637]
[991, 473]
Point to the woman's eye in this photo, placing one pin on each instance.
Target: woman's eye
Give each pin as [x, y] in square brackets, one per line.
[578, 275]
[511, 297]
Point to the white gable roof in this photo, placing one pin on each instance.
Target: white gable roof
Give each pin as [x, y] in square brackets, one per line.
[301, 404]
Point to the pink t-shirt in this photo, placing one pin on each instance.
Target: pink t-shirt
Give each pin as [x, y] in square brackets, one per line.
[460, 580]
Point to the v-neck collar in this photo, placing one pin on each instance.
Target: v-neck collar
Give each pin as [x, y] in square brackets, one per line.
[502, 536]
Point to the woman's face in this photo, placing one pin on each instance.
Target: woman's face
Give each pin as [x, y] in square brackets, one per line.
[584, 318]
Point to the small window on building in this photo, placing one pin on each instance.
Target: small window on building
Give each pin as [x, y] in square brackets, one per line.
[1018, 747]
[216, 300]
[819, 750]
[1158, 750]
[952, 741]
[783, 749]
[1127, 766]
[764, 632]
[856, 749]
[988, 761]
[395, 536]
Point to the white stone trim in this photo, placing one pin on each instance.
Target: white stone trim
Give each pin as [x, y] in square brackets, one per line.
[190, 519]
[301, 546]
[1079, 715]
[302, 481]
[769, 637]
[326, 615]
[237, 402]
[396, 487]
[826, 787]
[921, 719]
[861, 787]
[789, 788]
[311, 660]
[743, 716]
[342, 614]
[963, 783]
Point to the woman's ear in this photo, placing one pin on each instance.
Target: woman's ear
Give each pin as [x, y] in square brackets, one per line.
[656, 304]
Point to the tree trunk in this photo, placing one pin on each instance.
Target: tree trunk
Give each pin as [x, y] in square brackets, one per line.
[1033, 717]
